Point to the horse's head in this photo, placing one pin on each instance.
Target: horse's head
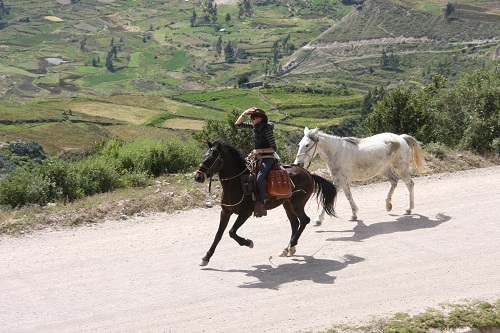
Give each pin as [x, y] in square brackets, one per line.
[307, 147]
[211, 164]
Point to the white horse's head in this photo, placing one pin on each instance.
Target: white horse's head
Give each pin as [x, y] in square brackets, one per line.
[307, 147]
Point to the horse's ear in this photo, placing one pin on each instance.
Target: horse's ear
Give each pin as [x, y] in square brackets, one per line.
[209, 144]
[306, 130]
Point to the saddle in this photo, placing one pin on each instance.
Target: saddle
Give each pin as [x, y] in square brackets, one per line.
[279, 184]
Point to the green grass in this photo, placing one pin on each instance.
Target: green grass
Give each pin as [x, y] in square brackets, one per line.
[178, 61]
[477, 315]
[99, 79]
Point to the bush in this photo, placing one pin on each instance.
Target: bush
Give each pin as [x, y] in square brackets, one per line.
[437, 149]
[466, 116]
[63, 180]
[181, 157]
[22, 187]
[96, 174]
[153, 157]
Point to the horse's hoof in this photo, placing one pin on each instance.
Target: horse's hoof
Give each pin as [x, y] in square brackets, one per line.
[204, 262]
[250, 245]
[284, 253]
[388, 207]
[318, 223]
[408, 212]
[291, 251]
[354, 218]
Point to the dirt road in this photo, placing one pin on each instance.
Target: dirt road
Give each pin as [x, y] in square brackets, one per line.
[142, 275]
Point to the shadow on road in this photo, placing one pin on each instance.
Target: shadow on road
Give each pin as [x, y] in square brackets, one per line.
[303, 268]
[402, 224]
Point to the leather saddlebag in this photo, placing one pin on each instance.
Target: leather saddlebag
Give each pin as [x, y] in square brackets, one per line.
[247, 183]
[278, 182]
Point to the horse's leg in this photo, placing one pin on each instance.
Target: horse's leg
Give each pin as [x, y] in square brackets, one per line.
[409, 184]
[393, 178]
[298, 221]
[319, 219]
[404, 174]
[354, 208]
[237, 224]
[224, 219]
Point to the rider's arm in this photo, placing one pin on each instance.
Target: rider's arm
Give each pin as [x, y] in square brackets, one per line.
[244, 114]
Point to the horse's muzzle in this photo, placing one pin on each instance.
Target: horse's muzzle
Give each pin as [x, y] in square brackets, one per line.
[199, 176]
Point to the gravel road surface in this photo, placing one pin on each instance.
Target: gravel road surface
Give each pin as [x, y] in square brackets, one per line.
[143, 274]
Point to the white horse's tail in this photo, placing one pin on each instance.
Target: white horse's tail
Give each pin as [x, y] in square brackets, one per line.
[416, 152]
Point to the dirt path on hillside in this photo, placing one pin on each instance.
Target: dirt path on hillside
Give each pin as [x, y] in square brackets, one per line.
[142, 275]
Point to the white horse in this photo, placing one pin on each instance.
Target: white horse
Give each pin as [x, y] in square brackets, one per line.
[351, 159]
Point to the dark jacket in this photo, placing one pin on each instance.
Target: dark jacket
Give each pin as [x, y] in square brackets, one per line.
[263, 135]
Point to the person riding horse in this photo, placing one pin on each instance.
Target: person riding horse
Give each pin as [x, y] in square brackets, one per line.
[264, 147]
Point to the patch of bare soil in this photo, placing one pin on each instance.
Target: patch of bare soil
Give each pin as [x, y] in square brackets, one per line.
[86, 27]
[191, 85]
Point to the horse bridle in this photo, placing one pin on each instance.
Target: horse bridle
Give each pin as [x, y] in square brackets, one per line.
[207, 169]
[315, 146]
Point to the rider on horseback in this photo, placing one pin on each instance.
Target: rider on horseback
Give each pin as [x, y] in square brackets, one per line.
[264, 147]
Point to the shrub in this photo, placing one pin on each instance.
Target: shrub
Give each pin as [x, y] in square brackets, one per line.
[96, 174]
[181, 157]
[22, 187]
[437, 149]
[63, 180]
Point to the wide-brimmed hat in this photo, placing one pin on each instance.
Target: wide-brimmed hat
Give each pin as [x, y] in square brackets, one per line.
[259, 113]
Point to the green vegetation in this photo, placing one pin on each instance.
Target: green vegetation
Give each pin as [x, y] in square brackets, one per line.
[474, 315]
[115, 165]
[465, 116]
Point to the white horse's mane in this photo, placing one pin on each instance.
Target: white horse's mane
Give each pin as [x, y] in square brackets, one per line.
[315, 133]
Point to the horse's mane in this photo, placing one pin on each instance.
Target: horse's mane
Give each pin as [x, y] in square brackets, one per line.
[350, 139]
[228, 149]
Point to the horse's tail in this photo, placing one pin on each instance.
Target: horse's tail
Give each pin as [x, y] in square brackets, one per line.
[416, 152]
[326, 192]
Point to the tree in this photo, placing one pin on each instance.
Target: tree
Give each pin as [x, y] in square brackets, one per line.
[228, 17]
[241, 10]
[192, 20]
[210, 12]
[229, 52]
[218, 47]
[448, 10]
[3, 10]
[247, 8]
[109, 63]
[227, 131]
[276, 51]
[389, 61]
[83, 43]
[243, 79]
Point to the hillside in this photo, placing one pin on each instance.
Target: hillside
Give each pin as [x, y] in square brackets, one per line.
[424, 41]
[167, 78]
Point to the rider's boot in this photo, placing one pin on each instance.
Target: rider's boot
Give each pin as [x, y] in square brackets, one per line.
[259, 210]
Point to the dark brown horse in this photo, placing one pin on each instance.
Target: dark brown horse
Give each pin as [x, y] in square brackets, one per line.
[230, 165]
